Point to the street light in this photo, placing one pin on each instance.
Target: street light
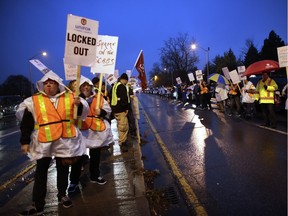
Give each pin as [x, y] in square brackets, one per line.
[30, 68]
[193, 47]
[165, 69]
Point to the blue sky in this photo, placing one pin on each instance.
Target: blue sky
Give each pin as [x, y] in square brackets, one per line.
[31, 26]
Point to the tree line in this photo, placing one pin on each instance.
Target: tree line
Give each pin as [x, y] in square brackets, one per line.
[177, 59]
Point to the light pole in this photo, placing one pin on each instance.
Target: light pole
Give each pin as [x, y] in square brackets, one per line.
[30, 69]
[165, 69]
[194, 46]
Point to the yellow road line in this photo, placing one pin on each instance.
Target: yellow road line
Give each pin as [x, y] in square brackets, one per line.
[191, 196]
[13, 179]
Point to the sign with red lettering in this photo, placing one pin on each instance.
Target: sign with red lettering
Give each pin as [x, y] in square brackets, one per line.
[81, 39]
[106, 50]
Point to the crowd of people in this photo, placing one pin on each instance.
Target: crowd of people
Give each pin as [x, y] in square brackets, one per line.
[56, 123]
[240, 100]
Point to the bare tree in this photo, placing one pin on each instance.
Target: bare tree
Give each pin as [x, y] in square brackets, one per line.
[177, 57]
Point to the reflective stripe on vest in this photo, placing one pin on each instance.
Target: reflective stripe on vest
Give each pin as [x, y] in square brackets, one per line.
[52, 122]
[91, 121]
[264, 95]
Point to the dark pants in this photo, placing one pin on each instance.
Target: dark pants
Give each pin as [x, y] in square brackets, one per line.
[94, 163]
[235, 104]
[131, 122]
[76, 171]
[40, 181]
[269, 114]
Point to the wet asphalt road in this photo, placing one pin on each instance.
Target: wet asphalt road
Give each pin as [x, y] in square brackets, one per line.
[233, 166]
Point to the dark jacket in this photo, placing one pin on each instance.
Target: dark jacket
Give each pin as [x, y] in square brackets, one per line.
[122, 104]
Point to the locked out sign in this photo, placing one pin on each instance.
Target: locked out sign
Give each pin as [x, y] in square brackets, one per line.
[81, 35]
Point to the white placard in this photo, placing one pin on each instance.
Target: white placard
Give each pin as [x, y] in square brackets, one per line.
[199, 75]
[128, 72]
[234, 77]
[39, 65]
[70, 71]
[81, 38]
[191, 77]
[116, 73]
[178, 80]
[111, 79]
[283, 56]
[241, 70]
[225, 71]
[106, 50]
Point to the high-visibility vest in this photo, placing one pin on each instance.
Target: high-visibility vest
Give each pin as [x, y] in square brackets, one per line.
[266, 96]
[92, 121]
[114, 99]
[232, 90]
[53, 123]
[204, 89]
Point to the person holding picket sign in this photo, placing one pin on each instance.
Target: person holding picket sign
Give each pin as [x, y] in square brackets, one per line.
[96, 132]
[48, 130]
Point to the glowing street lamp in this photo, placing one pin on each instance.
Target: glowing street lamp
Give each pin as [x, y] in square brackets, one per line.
[194, 47]
[30, 68]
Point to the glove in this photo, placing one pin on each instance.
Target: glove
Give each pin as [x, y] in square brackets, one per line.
[265, 87]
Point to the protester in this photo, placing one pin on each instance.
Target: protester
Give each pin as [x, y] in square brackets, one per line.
[47, 124]
[85, 157]
[221, 95]
[130, 116]
[234, 97]
[72, 85]
[205, 95]
[284, 94]
[248, 98]
[96, 130]
[120, 105]
[196, 91]
[265, 90]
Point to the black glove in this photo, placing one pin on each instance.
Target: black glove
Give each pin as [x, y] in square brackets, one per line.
[265, 87]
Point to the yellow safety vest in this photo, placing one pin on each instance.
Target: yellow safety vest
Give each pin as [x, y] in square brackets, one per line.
[114, 98]
[54, 123]
[266, 96]
[92, 121]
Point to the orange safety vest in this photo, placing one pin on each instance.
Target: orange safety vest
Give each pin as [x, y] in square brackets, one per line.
[204, 89]
[92, 121]
[232, 91]
[53, 123]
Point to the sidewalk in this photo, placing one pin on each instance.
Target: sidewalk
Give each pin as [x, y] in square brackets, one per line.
[124, 193]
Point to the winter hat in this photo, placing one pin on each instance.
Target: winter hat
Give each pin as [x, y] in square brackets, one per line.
[95, 80]
[124, 76]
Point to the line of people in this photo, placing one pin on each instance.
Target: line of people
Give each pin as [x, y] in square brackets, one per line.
[49, 130]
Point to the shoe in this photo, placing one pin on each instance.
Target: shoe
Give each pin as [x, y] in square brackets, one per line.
[72, 188]
[31, 211]
[66, 202]
[98, 180]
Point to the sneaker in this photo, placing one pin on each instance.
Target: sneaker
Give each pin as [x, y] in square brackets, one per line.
[31, 211]
[72, 188]
[98, 180]
[66, 202]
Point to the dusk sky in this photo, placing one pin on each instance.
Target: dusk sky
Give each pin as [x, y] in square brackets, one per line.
[31, 26]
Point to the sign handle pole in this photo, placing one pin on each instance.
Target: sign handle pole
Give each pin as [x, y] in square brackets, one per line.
[77, 91]
[99, 91]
